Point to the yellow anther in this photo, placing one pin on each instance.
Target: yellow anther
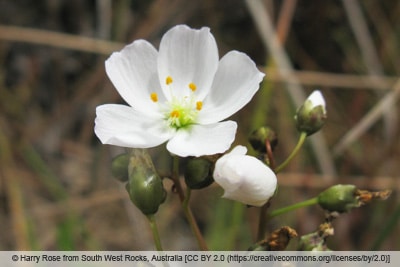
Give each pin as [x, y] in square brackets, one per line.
[168, 80]
[199, 105]
[154, 97]
[175, 114]
[192, 87]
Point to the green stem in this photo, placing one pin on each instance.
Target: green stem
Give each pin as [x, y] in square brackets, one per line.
[302, 204]
[185, 205]
[156, 236]
[300, 142]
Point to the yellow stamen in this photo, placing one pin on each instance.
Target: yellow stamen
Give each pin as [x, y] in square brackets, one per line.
[199, 105]
[168, 80]
[175, 114]
[154, 97]
[192, 87]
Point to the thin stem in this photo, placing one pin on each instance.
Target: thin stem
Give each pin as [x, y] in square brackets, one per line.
[185, 202]
[302, 204]
[300, 142]
[156, 236]
[262, 221]
[263, 210]
[185, 205]
[175, 178]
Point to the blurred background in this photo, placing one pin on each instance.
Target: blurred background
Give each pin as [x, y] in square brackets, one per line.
[56, 189]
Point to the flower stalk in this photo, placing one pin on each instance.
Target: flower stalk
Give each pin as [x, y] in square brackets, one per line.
[154, 230]
[300, 142]
[306, 203]
[185, 205]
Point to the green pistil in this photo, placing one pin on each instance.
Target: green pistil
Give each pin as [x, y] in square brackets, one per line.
[181, 115]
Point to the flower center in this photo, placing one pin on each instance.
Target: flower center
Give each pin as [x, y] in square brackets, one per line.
[180, 112]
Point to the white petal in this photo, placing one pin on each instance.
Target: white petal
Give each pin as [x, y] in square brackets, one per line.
[133, 71]
[188, 56]
[317, 99]
[121, 125]
[235, 83]
[245, 179]
[203, 139]
[238, 150]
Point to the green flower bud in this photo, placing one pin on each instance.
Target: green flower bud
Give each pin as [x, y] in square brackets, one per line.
[340, 198]
[198, 173]
[258, 138]
[311, 116]
[119, 167]
[145, 187]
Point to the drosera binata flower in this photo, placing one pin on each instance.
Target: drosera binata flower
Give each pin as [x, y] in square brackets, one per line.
[179, 94]
[244, 178]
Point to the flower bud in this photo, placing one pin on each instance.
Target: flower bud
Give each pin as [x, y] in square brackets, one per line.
[198, 173]
[311, 116]
[244, 178]
[343, 198]
[340, 198]
[145, 187]
[258, 138]
[119, 167]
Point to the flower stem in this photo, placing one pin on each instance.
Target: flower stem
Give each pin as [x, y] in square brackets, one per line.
[156, 236]
[309, 202]
[185, 205]
[262, 221]
[263, 210]
[300, 142]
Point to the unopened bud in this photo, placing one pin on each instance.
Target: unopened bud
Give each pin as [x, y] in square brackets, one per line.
[311, 116]
[244, 178]
[343, 198]
[145, 187]
[119, 167]
[340, 198]
[198, 173]
[259, 137]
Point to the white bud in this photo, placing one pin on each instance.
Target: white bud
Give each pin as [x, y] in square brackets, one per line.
[311, 116]
[316, 99]
[244, 178]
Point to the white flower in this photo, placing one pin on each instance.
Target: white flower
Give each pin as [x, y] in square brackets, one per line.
[178, 94]
[244, 178]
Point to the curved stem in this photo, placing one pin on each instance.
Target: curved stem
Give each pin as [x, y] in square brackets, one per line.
[300, 142]
[302, 204]
[185, 205]
[156, 236]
